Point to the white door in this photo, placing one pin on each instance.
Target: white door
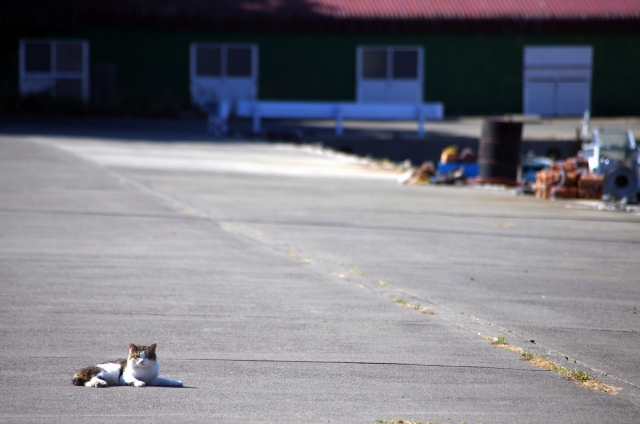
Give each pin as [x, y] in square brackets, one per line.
[223, 72]
[557, 80]
[573, 97]
[389, 74]
[540, 97]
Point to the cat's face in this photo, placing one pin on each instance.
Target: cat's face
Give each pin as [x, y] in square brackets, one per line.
[142, 356]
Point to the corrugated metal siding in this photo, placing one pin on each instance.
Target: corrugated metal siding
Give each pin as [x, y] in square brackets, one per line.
[478, 74]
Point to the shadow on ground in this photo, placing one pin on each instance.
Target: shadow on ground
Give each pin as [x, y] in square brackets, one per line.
[395, 145]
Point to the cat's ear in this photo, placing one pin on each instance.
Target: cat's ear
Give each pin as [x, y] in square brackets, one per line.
[152, 346]
[132, 348]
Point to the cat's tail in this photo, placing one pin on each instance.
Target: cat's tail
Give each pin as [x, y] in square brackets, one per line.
[78, 380]
[84, 375]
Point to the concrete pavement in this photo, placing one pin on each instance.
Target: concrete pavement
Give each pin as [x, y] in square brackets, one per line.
[269, 291]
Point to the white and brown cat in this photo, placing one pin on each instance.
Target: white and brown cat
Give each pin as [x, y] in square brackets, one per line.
[139, 369]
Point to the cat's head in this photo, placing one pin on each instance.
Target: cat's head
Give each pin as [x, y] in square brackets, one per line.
[142, 356]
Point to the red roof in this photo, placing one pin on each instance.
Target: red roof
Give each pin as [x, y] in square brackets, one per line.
[474, 9]
[439, 9]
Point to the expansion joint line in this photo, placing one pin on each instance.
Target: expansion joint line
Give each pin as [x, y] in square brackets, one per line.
[513, 333]
[395, 364]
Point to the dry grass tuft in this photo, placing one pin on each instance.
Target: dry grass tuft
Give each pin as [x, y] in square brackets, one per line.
[293, 255]
[582, 379]
[417, 307]
[399, 421]
[593, 384]
[542, 362]
[512, 348]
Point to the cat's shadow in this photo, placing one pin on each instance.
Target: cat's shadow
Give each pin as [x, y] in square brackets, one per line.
[152, 387]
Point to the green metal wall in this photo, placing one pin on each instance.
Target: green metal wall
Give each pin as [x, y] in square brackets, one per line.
[470, 74]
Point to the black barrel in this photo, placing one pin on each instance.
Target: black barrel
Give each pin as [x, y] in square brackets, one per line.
[499, 151]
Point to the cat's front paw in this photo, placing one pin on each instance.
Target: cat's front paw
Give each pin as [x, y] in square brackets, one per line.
[139, 383]
[100, 383]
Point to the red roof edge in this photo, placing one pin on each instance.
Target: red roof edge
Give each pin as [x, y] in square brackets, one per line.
[68, 15]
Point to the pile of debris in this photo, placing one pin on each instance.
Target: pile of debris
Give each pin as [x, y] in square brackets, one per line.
[570, 179]
[420, 175]
[452, 169]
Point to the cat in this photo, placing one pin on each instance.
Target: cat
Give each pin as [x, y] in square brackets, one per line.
[139, 369]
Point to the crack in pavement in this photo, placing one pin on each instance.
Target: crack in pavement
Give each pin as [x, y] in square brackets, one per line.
[427, 230]
[399, 364]
[495, 216]
[303, 361]
[605, 330]
[103, 214]
[169, 316]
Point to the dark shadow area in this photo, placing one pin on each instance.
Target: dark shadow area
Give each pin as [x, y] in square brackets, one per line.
[249, 15]
[133, 129]
[394, 145]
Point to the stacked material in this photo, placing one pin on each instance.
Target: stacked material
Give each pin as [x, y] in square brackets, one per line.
[590, 186]
[570, 179]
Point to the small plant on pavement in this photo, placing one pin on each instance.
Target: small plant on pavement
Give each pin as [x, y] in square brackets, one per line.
[416, 307]
[582, 379]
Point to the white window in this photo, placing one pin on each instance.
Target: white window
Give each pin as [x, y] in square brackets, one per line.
[59, 68]
[389, 74]
[557, 80]
[223, 72]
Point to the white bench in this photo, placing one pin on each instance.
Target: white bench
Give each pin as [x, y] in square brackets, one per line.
[338, 111]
